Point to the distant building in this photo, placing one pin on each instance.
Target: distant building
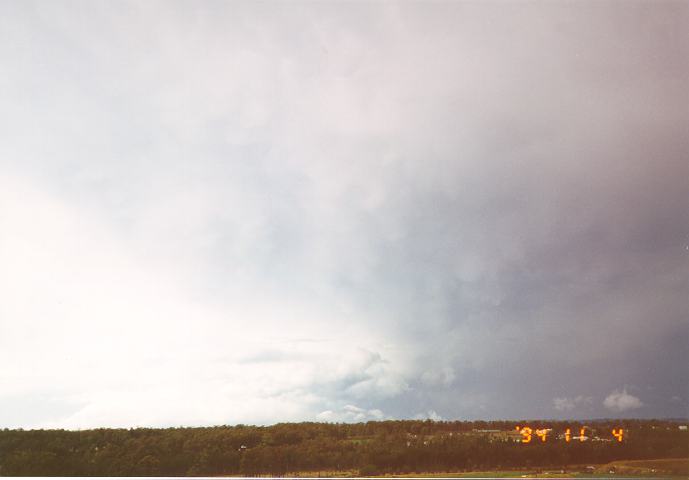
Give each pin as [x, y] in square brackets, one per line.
[682, 427]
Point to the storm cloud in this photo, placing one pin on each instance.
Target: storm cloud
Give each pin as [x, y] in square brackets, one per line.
[261, 212]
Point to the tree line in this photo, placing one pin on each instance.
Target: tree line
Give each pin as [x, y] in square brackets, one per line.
[370, 448]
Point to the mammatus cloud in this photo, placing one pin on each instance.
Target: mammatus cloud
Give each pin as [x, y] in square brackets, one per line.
[621, 401]
[565, 404]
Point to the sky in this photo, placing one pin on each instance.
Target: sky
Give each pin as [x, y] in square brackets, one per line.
[225, 212]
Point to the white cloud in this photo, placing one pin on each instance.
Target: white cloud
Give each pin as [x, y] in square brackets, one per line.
[429, 415]
[87, 321]
[563, 404]
[350, 413]
[566, 404]
[621, 401]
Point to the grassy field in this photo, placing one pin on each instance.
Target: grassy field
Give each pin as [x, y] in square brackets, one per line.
[674, 467]
[669, 466]
[355, 474]
[495, 474]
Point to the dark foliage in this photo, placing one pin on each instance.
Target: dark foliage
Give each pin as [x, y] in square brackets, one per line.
[369, 448]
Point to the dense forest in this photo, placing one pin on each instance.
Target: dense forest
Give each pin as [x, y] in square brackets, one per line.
[364, 448]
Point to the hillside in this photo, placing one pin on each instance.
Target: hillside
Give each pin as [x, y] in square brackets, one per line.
[373, 448]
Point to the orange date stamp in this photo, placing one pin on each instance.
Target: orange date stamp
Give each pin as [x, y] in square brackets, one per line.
[584, 434]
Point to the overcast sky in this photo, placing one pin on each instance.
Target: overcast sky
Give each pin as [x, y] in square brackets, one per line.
[224, 212]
